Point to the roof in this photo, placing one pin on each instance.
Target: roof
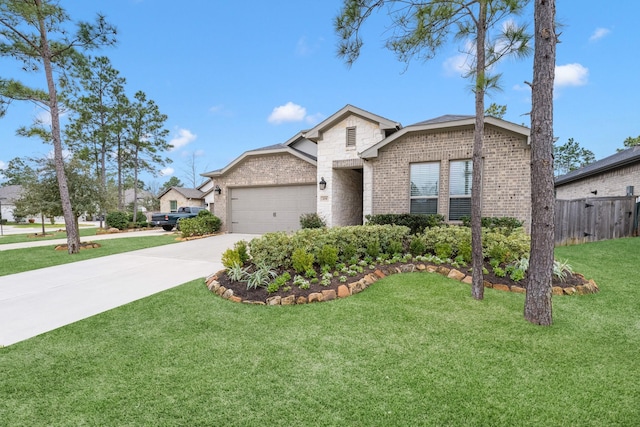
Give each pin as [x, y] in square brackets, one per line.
[445, 122]
[315, 133]
[270, 149]
[10, 193]
[189, 193]
[621, 158]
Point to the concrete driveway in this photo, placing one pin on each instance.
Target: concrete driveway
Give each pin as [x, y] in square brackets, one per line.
[41, 300]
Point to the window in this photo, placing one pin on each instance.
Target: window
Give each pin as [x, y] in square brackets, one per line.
[460, 175]
[351, 137]
[173, 205]
[424, 187]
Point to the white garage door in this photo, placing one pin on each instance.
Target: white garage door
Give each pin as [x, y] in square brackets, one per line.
[259, 210]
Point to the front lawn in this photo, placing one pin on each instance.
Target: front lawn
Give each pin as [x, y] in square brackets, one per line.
[413, 349]
[50, 234]
[19, 260]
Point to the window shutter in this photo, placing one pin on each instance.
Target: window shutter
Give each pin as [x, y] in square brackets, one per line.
[351, 137]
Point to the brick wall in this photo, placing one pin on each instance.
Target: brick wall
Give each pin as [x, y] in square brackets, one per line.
[267, 170]
[506, 175]
[165, 201]
[610, 183]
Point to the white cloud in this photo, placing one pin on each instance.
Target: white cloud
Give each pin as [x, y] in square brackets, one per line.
[3, 165]
[183, 138]
[571, 75]
[599, 33]
[456, 65]
[216, 109]
[289, 112]
[314, 119]
[302, 47]
[167, 171]
[199, 153]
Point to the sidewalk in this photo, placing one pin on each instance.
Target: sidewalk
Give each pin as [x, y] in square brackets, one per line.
[38, 301]
[53, 242]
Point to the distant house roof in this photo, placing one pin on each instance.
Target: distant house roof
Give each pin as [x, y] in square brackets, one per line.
[10, 193]
[142, 194]
[445, 122]
[621, 158]
[189, 193]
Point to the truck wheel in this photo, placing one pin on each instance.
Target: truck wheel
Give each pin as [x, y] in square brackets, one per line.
[167, 227]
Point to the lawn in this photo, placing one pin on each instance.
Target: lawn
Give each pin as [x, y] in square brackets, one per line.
[50, 235]
[19, 260]
[413, 349]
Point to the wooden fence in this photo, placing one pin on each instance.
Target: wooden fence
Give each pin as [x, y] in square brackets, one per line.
[597, 218]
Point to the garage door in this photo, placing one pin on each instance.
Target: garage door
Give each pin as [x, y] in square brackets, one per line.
[259, 210]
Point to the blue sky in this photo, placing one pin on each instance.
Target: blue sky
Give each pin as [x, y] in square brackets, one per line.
[237, 76]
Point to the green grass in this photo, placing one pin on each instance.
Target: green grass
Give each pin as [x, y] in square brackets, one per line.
[412, 350]
[19, 260]
[50, 235]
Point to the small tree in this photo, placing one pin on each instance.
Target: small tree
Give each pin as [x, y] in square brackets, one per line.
[420, 29]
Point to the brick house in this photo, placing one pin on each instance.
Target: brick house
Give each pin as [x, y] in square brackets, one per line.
[616, 175]
[355, 163]
[176, 197]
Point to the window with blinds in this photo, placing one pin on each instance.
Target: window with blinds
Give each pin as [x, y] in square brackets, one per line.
[460, 175]
[351, 137]
[424, 187]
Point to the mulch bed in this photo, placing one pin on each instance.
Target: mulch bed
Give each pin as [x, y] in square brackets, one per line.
[260, 294]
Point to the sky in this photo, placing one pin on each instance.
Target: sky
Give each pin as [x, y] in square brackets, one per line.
[233, 77]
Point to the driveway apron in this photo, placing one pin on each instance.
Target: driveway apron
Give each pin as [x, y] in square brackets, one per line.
[38, 301]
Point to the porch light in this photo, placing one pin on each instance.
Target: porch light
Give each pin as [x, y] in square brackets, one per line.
[217, 190]
[322, 184]
[594, 192]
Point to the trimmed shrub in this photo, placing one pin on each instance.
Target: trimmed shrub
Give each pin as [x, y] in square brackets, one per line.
[312, 220]
[302, 260]
[117, 219]
[243, 252]
[417, 223]
[328, 256]
[204, 223]
[507, 223]
[231, 258]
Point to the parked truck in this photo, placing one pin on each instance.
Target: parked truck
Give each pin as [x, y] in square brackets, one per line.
[172, 219]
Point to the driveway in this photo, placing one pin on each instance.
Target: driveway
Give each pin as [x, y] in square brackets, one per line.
[41, 300]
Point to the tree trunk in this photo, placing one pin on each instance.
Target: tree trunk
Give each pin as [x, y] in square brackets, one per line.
[73, 238]
[477, 283]
[538, 308]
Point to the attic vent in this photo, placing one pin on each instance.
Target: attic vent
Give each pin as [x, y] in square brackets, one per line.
[351, 137]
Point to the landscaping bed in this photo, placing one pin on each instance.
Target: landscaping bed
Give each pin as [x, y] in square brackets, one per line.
[222, 285]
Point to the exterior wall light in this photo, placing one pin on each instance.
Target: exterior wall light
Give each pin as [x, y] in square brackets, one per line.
[217, 190]
[322, 184]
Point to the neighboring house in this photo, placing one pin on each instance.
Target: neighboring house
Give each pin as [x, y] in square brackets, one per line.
[355, 163]
[616, 175]
[175, 197]
[8, 196]
[140, 194]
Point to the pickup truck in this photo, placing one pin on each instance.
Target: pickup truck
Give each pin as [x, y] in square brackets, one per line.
[172, 219]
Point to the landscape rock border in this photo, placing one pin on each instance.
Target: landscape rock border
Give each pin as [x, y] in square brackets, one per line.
[346, 290]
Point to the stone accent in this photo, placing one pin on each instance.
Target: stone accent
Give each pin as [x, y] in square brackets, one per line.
[353, 288]
[343, 291]
[456, 275]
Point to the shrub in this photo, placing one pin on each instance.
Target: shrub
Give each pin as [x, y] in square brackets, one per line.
[395, 247]
[117, 219]
[417, 223]
[261, 276]
[508, 223]
[204, 223]
[417, 247]
[443, 250]
[373, 249]
[302, 261]
[279, 282]
[231, 258]
[312, 220]
[243, 252]
[328, 256]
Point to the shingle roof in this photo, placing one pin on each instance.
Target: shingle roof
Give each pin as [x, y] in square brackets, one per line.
[622, 158]
[10, 193]
[443, 119]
